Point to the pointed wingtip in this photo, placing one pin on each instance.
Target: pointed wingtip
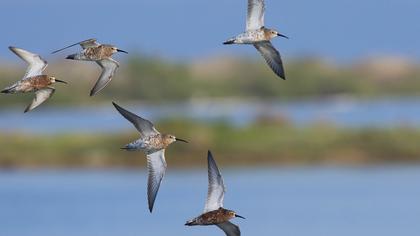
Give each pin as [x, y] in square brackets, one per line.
[14, 49]
[118, 107]
[210, 158]
[115, 104]
[93, 92]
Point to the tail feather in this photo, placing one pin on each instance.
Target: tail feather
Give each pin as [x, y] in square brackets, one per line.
[230, 41]
[72, 57]
[130, 147]
[192, 222]
[8, 90]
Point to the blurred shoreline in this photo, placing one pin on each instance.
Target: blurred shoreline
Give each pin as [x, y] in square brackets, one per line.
[265, 143]
[156, 80]
[361, 113]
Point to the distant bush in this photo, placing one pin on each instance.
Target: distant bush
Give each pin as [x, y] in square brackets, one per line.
[158, 80]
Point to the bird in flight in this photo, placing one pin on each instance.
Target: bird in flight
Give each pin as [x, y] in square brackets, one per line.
[259, 36]
[33, 80]
[153, 143]
[214, 213]
[99, 53]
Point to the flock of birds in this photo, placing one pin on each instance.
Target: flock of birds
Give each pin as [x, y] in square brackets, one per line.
[151, 141]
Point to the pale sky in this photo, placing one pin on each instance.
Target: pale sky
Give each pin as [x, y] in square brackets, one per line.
[188, 29]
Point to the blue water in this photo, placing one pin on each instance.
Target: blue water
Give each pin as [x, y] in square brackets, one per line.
[297, 201]
[391, 112]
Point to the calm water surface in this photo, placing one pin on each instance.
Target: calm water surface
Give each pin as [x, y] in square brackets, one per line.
[299, 202]
[343, 112]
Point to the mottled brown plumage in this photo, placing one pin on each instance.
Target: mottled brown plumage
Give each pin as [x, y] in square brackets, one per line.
[100, 52]
[215, 217]
[33, 80]
[153, 143]
[259, 36]
[214, 213]
[35, 83]
[102, 55]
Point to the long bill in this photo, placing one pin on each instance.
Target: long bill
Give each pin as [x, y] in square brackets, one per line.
[60, 81]
[282, 35]
[239, 216]
[181, 140]
[119, 50]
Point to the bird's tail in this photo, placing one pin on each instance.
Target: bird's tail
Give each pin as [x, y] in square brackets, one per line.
[72, 57]
[192, 222]
[131, 147]
[11, 89]
[230, 41]
[77, 56]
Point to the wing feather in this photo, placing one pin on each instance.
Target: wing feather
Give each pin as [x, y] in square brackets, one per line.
[40, 97]
[145, 127]
[109, 66]
[216, 188]
[255, 16]
[229, 228]
[156, 165]
[84, 44]
[272, 57]
[36, 65]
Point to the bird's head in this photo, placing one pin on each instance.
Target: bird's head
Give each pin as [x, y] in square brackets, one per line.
[54, 80]
[115, 49]
[233, 214]
[169, 138]
[271, 33]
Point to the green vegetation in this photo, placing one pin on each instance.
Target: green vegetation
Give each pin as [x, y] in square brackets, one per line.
[264, 143]
[157, 80]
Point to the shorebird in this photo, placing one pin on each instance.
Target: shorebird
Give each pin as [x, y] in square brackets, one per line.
[33, 80]
[153, 144]
[99, 53]
[259, 36]
[214, 213]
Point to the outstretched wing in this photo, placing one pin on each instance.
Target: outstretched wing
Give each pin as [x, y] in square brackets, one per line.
[229, 228]
[156, 165]
[109, 66]
[272, 57]
[84, 44]
[40, 97]
[145, 127]
[36, 64]
[216, 188]
[255, 16]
